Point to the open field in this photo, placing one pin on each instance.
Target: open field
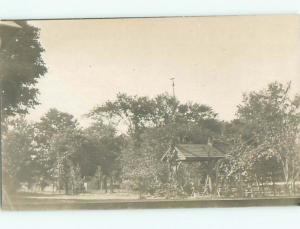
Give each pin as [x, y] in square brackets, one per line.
[126, 201]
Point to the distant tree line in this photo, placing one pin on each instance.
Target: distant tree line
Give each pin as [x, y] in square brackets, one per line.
[261, 145]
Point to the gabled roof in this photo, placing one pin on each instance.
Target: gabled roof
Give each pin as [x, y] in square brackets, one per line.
[195, 152]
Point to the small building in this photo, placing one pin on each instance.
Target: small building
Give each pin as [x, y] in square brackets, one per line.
[194, 153]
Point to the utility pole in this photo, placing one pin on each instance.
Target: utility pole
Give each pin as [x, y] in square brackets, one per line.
[173, 85]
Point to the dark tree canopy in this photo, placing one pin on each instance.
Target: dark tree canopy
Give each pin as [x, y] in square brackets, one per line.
[21, 66]
[141, 112]
[55, 121]
[51, 125]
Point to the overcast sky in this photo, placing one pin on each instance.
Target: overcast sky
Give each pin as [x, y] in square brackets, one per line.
[214, 59]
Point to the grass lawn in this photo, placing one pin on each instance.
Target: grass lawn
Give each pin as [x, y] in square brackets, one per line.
[121, 200]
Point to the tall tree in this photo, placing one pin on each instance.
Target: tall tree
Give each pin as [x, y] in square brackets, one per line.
[74, 159]
[19, 161]
[133, 111]
[53, 123]
[274, 119]
[107, 152]
[21, 66]
[140, 113]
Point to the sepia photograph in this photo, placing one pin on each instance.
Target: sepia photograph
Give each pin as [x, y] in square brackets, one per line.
[158, 112]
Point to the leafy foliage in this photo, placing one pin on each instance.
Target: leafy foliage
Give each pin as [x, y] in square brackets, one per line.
[21, 66]
[265, 139]
[261, 145]
[19, 159]
[54, 123]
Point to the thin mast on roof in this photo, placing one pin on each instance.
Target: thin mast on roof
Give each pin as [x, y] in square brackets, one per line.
[173, 89]
[173, 85]
[172, 143]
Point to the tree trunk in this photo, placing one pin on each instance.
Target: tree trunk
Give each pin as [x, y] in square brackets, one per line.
[258, 184]
[105, 183]
[66, 188]
[111, 185]
[273, 184]
[141, 188]
[99, 180]
[140, 193]
[73, 188]
[293, 182]
[263, 186]
[285, 166]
